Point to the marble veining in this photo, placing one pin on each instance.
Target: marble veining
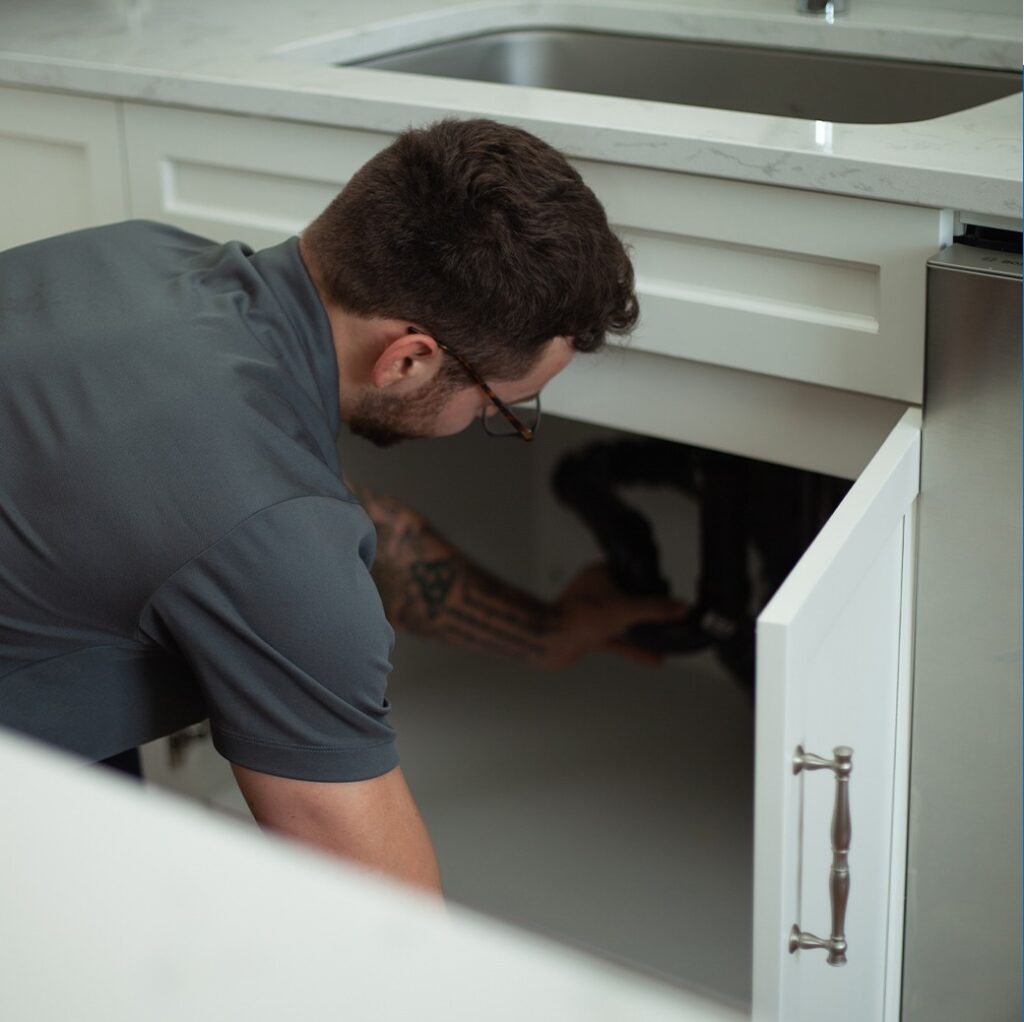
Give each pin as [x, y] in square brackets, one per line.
[260, 58]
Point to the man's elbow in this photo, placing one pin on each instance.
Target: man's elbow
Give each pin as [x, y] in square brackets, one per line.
[373, 824]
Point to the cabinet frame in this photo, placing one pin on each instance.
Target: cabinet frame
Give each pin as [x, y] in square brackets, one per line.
[214, 173]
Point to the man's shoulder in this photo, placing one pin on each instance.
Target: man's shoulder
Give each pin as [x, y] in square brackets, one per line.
[139, 227]
[122, 230]
[144, 239]
[155, 244]
[156, 232]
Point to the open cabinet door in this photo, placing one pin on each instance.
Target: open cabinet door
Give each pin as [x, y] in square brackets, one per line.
[833, 674]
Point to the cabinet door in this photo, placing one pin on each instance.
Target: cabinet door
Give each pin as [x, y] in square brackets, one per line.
[833, 670]
[60, 165]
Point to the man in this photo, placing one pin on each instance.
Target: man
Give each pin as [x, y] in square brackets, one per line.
[171, 502]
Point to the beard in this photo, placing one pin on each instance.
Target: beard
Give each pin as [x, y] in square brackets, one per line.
[385, 420]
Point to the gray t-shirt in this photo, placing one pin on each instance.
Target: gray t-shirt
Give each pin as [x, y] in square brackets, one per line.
[175, 537]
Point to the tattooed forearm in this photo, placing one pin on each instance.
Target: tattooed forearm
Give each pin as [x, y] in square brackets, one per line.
[429, 588]
[473, 639]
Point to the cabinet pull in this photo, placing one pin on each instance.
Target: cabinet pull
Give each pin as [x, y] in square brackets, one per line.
[839, 874]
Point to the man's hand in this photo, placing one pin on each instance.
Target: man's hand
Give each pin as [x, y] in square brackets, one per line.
[594, 614]
[372, 823]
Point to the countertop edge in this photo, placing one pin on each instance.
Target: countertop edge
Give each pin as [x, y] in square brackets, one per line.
[904, 182]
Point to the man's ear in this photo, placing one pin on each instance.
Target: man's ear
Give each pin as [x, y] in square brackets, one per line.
[407, 361]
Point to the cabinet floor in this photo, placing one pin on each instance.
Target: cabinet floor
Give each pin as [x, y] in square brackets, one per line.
[609, 805]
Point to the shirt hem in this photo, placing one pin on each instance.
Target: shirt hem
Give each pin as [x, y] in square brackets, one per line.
[308, 763]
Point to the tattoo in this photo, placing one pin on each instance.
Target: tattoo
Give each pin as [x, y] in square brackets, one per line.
[510, 638]
[435, 580]
[514, 607]
[474, 640]
[431, 589]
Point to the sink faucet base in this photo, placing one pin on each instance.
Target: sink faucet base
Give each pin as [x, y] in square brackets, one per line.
[827, 9]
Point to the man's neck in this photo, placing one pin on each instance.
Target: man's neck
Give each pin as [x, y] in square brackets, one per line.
[345, 336]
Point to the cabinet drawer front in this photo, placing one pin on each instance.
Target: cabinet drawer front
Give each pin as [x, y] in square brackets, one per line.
[819, 288]
[229, 177]
[804, 286]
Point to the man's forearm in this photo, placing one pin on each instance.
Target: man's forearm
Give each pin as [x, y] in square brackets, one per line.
[430, 588]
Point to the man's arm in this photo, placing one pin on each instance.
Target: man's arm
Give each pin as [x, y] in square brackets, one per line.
[372, 823]
[430, 588]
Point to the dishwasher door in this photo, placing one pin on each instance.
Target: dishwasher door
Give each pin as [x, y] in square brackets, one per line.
[963, 923]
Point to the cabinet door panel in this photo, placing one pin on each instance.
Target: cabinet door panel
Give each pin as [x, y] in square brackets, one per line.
[833, 671]
[60, 165]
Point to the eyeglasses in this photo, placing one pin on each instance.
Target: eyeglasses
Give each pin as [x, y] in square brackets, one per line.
[524, 425]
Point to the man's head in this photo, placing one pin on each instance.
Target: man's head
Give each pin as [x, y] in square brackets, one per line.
[481, 237]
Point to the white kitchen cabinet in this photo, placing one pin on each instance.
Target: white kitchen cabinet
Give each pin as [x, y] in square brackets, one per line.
[62, 164]
[753, 303]
[803, 352]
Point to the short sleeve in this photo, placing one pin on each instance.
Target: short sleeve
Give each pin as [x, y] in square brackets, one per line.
[284, 630]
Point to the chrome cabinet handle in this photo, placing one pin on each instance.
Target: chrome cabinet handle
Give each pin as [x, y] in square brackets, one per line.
[839, 874]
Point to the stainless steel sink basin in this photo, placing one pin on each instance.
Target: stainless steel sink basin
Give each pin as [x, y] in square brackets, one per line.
[786, 83]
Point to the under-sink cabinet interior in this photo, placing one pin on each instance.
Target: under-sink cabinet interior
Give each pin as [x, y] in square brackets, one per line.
[608, 805]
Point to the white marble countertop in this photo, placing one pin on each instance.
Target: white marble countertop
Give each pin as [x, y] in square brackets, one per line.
[238, 56]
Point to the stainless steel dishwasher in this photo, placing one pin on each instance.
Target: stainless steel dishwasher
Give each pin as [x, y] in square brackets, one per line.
[963, 924]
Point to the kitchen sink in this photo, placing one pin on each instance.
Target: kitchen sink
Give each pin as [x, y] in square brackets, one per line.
[780, 82]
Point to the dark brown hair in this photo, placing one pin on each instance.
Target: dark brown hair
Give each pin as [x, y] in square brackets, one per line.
[482, 234]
